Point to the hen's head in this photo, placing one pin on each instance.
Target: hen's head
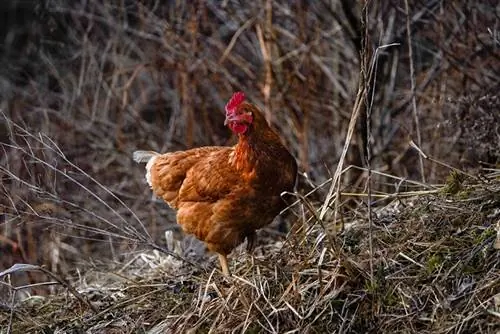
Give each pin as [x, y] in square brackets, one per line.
[239, 115]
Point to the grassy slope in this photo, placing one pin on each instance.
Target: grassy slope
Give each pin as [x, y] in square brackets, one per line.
[435, 270]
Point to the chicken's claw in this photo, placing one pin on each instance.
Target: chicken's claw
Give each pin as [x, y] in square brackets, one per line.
[251, 239]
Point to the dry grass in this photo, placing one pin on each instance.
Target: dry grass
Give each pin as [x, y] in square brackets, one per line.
[436, 271]
[374, 245]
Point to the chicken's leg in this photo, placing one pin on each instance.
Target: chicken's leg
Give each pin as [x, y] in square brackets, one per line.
[251, 242]
[223, 264]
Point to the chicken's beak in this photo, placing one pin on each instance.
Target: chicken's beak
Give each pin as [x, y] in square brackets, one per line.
[230, 118]
[245, 117]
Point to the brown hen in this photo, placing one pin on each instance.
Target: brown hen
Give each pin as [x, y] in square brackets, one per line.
[224, 194]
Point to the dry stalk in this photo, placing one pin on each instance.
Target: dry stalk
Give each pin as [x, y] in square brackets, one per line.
[416, 116]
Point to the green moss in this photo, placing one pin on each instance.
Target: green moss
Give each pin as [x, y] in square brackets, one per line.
[371, 287]
[391, 299]
[433, 262]
[453, 184]
[485, 235]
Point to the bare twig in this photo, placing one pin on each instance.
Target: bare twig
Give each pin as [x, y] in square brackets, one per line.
[416, 116]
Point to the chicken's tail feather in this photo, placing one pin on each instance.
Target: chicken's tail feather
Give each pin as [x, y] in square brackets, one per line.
[143, 156]
[149, 157]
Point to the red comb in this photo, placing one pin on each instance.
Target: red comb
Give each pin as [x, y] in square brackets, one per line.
[235, 101]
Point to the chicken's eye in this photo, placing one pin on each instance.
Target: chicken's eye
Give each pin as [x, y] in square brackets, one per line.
[246, 117]
[241, 118]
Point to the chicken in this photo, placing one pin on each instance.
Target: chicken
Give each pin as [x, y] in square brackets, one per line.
[224, 194]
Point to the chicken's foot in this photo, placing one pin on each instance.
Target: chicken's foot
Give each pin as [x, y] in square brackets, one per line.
[251, 239]
[223, 264]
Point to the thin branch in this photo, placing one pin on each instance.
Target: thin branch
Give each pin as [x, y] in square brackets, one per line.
[413, 88]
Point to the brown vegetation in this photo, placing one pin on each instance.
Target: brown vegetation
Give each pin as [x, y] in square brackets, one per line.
[84, 84]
